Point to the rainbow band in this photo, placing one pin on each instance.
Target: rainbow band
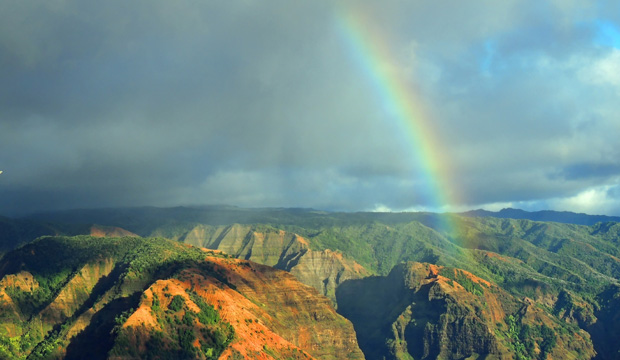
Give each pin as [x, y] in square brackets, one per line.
[371, 53]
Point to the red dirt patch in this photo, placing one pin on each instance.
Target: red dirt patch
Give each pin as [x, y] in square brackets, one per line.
[301, 240]
[496, 256]
[24, 280]
[251, 333]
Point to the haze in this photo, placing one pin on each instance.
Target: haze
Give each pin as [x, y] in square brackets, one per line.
[114, 103]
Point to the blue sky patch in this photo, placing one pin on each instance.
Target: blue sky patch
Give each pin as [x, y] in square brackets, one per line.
[607, 34]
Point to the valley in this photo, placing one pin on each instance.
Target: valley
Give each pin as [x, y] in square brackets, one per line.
[300, 283]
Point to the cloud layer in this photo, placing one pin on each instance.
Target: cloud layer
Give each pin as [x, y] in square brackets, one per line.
[261, 104]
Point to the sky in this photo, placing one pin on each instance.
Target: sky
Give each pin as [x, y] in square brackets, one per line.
[334, 105]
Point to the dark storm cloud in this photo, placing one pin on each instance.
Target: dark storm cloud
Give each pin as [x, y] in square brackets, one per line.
[580, 171]
[103, 100]
[261, 104]
[614, 193]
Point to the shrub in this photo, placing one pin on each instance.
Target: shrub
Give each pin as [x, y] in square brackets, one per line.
[177, 303]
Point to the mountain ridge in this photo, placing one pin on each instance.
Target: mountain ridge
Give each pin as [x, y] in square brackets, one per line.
[567, 275]
[565, 217]
[135, 297]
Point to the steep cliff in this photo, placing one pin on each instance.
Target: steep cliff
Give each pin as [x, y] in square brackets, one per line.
[76, 291]
[294, 310]
[558, 278]
[606, 328]
[14, 289]
[324, 270]
[427, 312]
[258, 312]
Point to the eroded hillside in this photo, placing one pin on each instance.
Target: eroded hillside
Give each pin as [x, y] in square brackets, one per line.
[322, 269]
[121, 298]
[424, 311]
[552, 281]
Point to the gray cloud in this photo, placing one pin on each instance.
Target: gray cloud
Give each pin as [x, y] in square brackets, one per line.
[580, 171]
[255, 104]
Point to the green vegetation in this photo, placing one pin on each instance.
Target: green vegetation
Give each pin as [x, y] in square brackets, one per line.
[458, 276]
[559, 255]
[524, 339]
[207, 315]
[565, 270]
[526, 258]
[177, 303]
[55, 261]
[562, 256]
[179, 332]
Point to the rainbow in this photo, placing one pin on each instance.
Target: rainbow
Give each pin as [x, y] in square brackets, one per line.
[370, 51]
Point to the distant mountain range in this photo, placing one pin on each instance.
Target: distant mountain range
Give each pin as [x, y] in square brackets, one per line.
[225, 214]
[565, 217]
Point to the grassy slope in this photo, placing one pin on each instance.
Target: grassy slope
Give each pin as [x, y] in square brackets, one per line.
[135, 297]
[540, 260]
[55, 262]
[576, 254]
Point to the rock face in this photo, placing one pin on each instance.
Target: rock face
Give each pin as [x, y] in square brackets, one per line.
[606, 328]
[427, 312]
[10, 311]
[270, 313]
[296, 311]
[76, 292]
[324, 270]
[152, 298]
[109, 231]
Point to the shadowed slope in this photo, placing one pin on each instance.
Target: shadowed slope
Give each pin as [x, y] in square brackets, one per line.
[124, 297]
